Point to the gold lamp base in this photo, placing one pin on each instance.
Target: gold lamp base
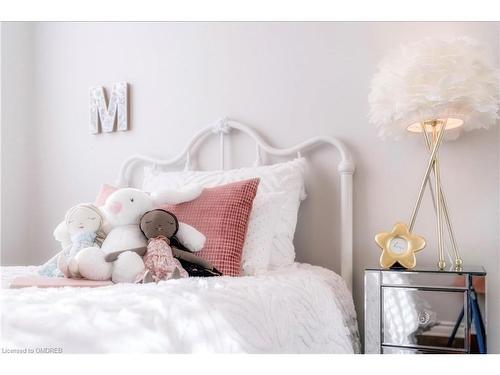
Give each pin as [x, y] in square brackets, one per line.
[433, 131]
[400, 245]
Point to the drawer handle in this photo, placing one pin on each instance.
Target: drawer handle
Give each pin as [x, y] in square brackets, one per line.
[424, 318]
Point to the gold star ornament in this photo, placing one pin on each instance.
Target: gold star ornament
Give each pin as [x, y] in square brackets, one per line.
[400, 246]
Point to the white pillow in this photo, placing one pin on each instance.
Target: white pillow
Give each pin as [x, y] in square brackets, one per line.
[285, 177]
[262, 224]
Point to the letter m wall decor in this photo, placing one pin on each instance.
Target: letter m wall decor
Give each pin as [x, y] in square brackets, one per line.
[106, 114]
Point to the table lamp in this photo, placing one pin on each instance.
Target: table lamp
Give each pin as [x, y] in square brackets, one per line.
[439, 88]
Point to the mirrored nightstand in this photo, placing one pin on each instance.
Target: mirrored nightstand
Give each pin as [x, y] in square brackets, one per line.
[425, 311]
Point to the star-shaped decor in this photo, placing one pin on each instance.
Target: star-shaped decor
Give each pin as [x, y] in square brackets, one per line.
[400, 246]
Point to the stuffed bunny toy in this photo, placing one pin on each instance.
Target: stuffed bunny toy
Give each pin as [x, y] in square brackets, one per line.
[163, 258]
[125, 244]
[83, 225]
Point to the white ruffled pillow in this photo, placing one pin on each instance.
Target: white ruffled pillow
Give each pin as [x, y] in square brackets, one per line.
[262, 224]
[285, 177]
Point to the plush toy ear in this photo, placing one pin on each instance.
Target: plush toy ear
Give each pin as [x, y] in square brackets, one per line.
[61, 234]
[190, 237]
[186, 194]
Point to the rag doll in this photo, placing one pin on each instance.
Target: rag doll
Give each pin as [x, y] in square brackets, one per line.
[83, 225]
[164, 261]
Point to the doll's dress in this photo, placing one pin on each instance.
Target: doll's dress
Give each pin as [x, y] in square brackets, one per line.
[79, 241]
[160, 262]
[49, 268]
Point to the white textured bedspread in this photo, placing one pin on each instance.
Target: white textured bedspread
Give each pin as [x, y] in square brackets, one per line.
[299, 309]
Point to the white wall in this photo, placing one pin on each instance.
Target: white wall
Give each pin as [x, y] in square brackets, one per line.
[16, 142]
[292, 81]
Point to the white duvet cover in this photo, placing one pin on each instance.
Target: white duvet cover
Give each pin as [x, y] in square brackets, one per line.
[297, 309]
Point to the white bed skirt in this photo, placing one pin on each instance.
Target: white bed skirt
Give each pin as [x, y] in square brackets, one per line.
[297, 309]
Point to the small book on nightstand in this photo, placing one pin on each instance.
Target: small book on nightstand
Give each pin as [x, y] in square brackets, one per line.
[425, 310]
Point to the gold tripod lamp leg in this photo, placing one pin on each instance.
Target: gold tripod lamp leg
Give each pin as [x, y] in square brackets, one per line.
[444, 210]
[441, 262]
[430, 165]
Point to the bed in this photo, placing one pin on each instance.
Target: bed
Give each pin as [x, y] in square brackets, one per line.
[299, 308]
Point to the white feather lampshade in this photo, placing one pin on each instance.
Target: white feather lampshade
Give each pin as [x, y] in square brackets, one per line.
[454, 79]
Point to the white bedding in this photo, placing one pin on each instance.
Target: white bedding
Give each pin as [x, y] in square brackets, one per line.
[297, 309]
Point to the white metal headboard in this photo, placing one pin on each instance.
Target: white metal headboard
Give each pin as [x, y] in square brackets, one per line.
[223, 127]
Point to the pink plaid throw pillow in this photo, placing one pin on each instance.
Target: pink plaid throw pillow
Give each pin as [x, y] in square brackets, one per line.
[221, 213]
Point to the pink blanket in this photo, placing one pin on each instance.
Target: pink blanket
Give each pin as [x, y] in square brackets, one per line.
[54, 282]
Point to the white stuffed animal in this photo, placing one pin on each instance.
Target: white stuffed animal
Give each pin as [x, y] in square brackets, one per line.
[125, 244]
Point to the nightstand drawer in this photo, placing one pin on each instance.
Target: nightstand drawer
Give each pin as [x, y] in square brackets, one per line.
[414, 279]
[400, 350]
[422, 317]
